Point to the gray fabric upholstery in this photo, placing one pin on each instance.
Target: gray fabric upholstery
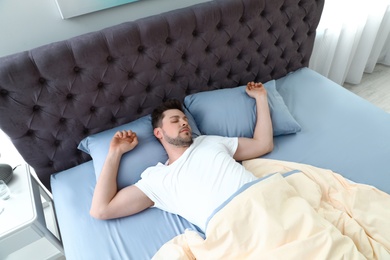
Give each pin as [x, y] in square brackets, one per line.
[53, 96]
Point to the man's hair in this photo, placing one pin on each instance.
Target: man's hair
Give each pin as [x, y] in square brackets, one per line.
[158, 112]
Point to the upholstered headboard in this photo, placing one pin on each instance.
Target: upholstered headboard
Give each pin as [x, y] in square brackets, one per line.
[53, 96]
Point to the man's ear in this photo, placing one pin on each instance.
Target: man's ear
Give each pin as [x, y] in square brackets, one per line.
[158, 133]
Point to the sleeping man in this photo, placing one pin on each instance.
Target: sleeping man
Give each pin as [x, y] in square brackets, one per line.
[199, 175]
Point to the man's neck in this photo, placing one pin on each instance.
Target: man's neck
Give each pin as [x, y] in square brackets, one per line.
[174, 152]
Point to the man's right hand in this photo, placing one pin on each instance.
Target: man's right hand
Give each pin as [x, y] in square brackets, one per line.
[108, 202]
[124, 141]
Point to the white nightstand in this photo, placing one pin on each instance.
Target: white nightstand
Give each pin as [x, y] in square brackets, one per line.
[22, 223]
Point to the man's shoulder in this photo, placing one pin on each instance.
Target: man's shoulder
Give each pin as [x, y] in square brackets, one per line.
[207, 140]
[158, 167]
[214, 138]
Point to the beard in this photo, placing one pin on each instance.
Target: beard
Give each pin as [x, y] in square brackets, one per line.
[178, 141]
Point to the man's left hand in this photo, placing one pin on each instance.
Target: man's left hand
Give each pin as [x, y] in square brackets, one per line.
[255, 90]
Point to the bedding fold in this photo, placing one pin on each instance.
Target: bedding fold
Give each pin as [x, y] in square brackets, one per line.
[311, 214]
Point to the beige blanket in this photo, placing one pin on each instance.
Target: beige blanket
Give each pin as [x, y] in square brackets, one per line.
[312, 214]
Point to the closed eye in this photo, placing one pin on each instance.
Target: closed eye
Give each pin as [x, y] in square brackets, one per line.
[176, 119]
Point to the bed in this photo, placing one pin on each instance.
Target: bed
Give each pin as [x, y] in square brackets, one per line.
[61, 103]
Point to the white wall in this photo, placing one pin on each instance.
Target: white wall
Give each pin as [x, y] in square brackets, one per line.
[32, 23]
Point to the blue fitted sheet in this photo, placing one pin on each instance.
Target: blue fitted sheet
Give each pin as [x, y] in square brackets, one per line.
[340, 131]
[135, 237]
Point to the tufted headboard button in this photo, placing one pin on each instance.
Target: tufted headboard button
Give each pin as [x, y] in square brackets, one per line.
[42, 80]
[30, 132]
[3, 92]
[36, 108]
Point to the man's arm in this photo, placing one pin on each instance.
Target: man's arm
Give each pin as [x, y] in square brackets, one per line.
[107, 201]
[262, 141]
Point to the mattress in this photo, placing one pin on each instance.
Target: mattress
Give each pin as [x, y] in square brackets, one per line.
[340, 131]
[135, 237]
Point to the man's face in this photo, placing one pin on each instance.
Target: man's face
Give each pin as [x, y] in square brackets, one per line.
[175, 129]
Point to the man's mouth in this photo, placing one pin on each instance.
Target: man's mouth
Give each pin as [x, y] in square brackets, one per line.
[184, 129]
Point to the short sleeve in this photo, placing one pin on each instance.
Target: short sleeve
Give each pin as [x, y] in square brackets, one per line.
[230, 143]
[145, 184]
[234, 145]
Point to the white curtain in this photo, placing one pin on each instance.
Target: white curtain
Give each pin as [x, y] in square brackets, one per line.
[352, 37]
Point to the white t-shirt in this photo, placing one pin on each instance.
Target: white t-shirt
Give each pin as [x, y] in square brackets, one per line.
[199, 181]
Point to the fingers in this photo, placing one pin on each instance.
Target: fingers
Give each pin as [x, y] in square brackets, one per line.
[124, 134]
[252, 85]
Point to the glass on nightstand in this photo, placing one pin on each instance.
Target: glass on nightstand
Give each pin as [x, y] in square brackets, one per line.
[5, 194]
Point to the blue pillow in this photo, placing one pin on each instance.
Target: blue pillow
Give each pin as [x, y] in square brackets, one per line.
[231, 112]
[147, 153]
